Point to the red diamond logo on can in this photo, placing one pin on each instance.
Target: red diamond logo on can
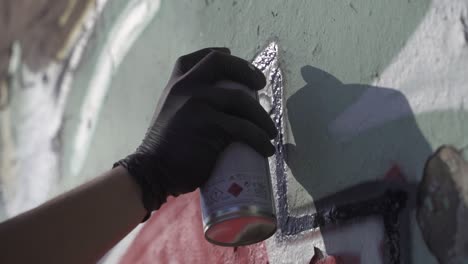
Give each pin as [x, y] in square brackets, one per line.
[235, 189]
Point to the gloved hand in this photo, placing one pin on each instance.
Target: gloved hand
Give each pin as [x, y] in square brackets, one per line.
[196, 122]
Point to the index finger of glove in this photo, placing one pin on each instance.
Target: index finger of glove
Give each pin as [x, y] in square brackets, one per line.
[218, 66]
[186, 62]
[245, 131]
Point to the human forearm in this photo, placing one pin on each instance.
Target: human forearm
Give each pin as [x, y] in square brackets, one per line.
[77, 227]
[195, 122]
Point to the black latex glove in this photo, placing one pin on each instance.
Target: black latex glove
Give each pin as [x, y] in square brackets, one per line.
[196, 122]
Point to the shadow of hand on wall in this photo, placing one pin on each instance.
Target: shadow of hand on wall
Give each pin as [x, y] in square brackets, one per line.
[348, 140]
[347, 134]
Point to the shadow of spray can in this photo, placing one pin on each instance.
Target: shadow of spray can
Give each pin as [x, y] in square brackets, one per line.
[236, 202]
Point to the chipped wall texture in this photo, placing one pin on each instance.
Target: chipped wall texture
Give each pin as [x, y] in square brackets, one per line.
[370, 90]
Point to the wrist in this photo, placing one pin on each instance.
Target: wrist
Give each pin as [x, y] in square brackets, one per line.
[130, 190]
[144, 173]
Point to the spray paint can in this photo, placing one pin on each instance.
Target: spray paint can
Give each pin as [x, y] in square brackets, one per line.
[237, 203]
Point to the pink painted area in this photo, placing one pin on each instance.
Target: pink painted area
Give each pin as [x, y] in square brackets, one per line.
[174, 234]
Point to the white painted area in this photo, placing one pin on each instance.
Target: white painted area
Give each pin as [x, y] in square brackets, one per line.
[36, 123]
[431, 71]
[37, 111]
[123, 34]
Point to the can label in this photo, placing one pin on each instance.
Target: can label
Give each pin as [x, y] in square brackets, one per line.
[236, 201]
[240, 189]
[231, 185]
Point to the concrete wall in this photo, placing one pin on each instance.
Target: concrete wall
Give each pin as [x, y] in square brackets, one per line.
[371, 88]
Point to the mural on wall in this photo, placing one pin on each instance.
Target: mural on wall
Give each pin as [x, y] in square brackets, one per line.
[363, 154]
[384, 198]
[41, 48]
[363, 92]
